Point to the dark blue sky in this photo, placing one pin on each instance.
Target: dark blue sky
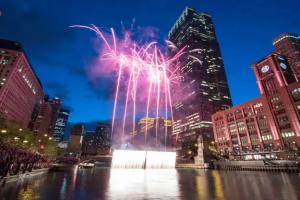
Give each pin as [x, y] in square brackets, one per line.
[60, 55]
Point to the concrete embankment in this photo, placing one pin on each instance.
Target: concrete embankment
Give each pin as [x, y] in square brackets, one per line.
[17, 177]
[272, 166]
[191, 166]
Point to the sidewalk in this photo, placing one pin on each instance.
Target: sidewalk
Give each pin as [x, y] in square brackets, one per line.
[21, 176]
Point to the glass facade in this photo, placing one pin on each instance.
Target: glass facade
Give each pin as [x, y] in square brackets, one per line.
[60, 125]
[203, 89]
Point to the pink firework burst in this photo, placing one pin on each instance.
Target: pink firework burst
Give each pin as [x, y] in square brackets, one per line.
[148, 72]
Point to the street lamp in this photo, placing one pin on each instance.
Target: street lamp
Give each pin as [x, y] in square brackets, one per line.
[50, 138]
[3, 131]
[16, 138]
[20, 129]
[45, 135]
[25, 141]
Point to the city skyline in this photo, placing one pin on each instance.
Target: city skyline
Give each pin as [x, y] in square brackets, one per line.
[240, 42]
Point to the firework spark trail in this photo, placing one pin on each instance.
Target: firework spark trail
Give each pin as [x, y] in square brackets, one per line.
[126, 103]
[147, 111]
[157, 97]
[145, 64]
[116, 99]
[134, 103]
[166, 106]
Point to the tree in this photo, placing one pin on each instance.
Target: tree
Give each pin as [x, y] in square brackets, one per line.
[13, 135]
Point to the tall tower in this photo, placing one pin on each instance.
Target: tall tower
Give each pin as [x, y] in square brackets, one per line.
[279, 86]
[288, 44]
[60, 125]
[203, 90]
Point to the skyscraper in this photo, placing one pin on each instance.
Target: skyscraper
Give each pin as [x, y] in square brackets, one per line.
[20, 88]
[203, 89]
[88, 145]
[41, 123]
[288, 44]
[60, 125]
[55, 106]
[76, 139]
[102, 137]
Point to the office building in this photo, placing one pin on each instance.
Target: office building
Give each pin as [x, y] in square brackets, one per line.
[98, 141]
[158, 139]
[203, 90]
[88, 145]
[288, 44]
[103, 137]
[40, 124]
[269, 123]
[76, 139]
[20, 88]
[55, 107]
[60, 125]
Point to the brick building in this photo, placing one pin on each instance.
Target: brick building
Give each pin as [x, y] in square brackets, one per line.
[288, 44]
[20, 88]
[270, 122]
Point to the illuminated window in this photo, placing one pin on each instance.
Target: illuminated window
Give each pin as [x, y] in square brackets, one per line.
[287, 134]
[296, 91]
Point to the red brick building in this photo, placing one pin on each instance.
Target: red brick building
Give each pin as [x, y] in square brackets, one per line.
[269, 122]
[288, 44]
[20, 89]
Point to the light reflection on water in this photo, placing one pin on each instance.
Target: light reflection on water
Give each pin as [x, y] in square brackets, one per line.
[123, 183]
[165, 184]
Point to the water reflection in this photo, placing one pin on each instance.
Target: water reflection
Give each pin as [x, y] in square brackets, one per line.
[133, 184]
[143, 184]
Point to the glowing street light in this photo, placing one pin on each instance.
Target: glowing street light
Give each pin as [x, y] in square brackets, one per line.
[25, 141]
[16, 138]
[50, 138]
[3, 131]
[45, 135]
[20, 129]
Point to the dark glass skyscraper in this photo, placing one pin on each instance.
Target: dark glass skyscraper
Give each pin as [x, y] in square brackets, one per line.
[203, 90]
[60, 125]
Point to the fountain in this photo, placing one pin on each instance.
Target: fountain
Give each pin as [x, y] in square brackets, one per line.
[143, 159]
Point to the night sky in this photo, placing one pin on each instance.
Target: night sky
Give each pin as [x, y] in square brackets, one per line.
[60, 55]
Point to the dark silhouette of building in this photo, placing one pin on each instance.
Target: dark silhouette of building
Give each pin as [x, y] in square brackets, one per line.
[20, 89]
[288, 44]
[98, 141]
[76, 139]
[203, 89]
[88, 145]
[103, 137]
[60, 125]
[40, 123]
[270, 122]
[55, 106]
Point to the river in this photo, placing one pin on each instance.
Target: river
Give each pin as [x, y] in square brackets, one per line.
[131, 184]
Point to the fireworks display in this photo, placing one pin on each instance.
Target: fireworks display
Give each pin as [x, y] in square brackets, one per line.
[147, 72]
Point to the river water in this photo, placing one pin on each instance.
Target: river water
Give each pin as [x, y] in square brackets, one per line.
[131, 184]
